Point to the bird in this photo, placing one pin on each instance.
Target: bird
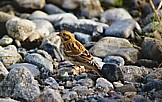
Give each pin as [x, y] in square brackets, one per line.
[77, 53]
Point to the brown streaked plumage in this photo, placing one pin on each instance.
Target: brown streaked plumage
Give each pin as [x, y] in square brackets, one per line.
[77, 52]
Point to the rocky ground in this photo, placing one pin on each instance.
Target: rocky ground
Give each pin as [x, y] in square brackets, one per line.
[124, 36]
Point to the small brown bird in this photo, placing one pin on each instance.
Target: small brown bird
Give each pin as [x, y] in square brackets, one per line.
[77, 52]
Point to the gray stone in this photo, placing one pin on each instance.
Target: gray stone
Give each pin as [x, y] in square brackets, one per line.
[4, 17]
[8, 100]
[123, 28]
[158, 95]
[104, 85]
[52, 82]
[52, 9]
[114, 59]
[32, 4]
[147, 63]
[140, 98]
[91, 8]
[3, 71]
[154, 84]
[38, 15]
[71, 95]
[49, 95]
[43, 29]
[6, 40]
[54, 18]
[133, 73]
[85, 82]
[39, 61]
[44, 24]
[83, 38]
[51, 44]
[153, 75]
[83, 90]
[126, 88]
[44, 54]
[111, 46]
[32, 68]
[69, 4]
[20, 29]
[9, 55]
[112, 72]
[19, 84]
[112, 15]
[82, 25]
[69, 84]
[153, 51]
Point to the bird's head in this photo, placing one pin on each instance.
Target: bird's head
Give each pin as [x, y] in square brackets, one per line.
[66, 35]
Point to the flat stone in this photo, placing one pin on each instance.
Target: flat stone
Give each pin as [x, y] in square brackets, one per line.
[39, 61]
[123, 28]
[115, 14]
[32, 68]
[111, 46]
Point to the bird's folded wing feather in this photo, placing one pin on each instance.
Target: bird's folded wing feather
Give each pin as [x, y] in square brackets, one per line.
[76, 49]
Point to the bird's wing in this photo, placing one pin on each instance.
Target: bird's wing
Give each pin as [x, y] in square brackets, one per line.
[73, 48]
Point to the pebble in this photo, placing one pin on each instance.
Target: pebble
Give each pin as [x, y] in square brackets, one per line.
[123, 28]
[126, 88]
[49, 95]
[82, 25]
[104, 85]
[83, 38]
[154, 84]
[32, 68]
[39, 61]
[3, 71]
[91, 8]
[52, 9]
[85, 82]
[32, 4]
[115, 46]
[6, 40]
[43, 29]
[153, 51]
[71, 95]
[112, 72]
[9, 55]
[8, 100]
[83, 90]
[114, 59]
[133, 73]
[52, 82]
[147, 63]
[20, 29]
[115, 14]
[19, 84]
